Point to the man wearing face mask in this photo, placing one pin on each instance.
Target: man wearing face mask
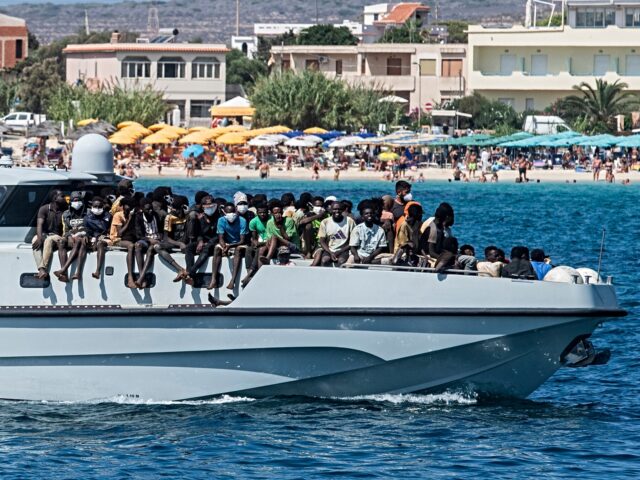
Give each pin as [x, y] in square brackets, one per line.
[175, 236]
[207, 236]
[49, 234]
[241, 202]
[309, 226]
[74, 233]
[97, 223]
[232, 233]
[334, 236]
[403, 196]
[149, 232]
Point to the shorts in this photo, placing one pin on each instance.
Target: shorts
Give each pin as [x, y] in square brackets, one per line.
[522, 171]
[231, 251]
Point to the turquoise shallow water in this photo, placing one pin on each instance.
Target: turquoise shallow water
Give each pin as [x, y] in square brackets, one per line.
[582, 423]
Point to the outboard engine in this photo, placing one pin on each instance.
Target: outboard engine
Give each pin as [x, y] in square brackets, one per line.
[581, 353]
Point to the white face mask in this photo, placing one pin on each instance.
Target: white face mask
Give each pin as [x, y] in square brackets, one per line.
[76, 205]
[168, 199]
[208, 211]
[290, 209]
[318, 210]
[97, 211]
[231, 217]
[242, 209]
[408, 197]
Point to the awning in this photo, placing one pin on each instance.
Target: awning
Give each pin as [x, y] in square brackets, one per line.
[236, 107]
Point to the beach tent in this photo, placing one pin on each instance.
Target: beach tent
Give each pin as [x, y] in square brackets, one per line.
[236, 107]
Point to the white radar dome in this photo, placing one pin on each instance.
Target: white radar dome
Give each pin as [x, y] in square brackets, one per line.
[92, 154]
[591, 273]
[563, 274]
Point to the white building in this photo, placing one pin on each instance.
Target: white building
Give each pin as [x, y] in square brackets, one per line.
[246, 44]
[192, 76]
[530, 67]
[276, 29]
[419, 73]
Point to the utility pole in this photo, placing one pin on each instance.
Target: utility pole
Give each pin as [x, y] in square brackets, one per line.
[237, 18]
[86, 23]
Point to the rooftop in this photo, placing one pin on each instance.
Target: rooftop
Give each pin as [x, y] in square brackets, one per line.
[147, 47]
[403, 12]
[7, 21]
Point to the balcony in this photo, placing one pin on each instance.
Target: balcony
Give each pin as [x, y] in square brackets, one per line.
[522, 81]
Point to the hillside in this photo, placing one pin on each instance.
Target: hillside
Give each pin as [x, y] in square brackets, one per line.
[214, 20]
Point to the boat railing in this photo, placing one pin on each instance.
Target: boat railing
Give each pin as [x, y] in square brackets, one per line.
[362, 266]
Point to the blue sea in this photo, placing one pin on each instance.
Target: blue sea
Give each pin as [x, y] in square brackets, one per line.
[582, 423]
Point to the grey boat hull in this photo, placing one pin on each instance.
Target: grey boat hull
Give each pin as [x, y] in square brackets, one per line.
[196, 353]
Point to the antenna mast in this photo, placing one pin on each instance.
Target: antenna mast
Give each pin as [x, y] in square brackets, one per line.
[237, 18]
[86, 23]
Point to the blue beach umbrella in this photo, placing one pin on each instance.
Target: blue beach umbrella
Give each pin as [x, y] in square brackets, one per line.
[294, 133]
[195, 150]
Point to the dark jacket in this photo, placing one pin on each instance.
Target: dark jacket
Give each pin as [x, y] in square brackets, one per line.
[97, 226]
[519, 268]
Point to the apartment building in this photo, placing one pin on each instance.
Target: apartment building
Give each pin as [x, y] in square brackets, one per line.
[14, 41]
[192, 76]
[530, 67]
[420, 73]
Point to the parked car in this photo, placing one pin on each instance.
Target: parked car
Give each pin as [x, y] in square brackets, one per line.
[20, 121]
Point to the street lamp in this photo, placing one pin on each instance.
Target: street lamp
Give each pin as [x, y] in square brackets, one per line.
[419, 92]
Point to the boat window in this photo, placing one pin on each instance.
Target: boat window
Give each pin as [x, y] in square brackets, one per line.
[19, 205]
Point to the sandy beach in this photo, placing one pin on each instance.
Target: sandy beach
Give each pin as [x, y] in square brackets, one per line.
[429, 174]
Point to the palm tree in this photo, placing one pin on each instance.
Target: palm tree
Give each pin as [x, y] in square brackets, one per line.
[601, 104]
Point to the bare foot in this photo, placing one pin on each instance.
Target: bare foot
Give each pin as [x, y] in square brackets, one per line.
[264, 260]
[188, 280]
[131, 283]
[178, 277]
[96, 275]
[63, 277]
[42, 274]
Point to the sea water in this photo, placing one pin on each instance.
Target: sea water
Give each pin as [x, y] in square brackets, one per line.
[582, 423]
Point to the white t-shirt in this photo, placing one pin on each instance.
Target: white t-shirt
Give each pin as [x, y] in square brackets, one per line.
[337, 234]
[367, 240]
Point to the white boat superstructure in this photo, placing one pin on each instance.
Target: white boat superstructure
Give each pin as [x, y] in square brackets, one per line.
[291, 331]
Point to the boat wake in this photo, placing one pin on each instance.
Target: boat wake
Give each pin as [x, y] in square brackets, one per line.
[128, 400]
[446, 398]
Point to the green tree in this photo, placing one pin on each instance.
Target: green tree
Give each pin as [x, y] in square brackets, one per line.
[8, 93]
[36, 84]
[488, 114]
[601, 103]
[410, 32]
[457, 31]
[326, 35]
[309, 99]
[113, 103]
[265, 44]
[242, 70]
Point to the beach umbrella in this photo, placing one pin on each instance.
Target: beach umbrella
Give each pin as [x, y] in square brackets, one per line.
[197, 129]
[393, 99]
[126, 124]
[331, 135]
[157, 126]
[86, 121]
[303, 141]
[630, 142]
[157, 138]
[347, 141]
[388, 156]
[263, 141]
[294, 133]
[195, 150]
[231, 139]
[315, 131]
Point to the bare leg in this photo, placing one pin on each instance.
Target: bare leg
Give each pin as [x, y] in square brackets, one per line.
[82, 257]
[130, 259]
[237, 258]
[215, 268]
[101, 248]
[316, 258]
[141, 282]
[62, 273]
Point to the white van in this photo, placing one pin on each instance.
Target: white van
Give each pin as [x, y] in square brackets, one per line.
[544, 125]
[20, 121]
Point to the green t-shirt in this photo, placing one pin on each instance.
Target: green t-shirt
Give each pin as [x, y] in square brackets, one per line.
[289, 227]
[256, 225]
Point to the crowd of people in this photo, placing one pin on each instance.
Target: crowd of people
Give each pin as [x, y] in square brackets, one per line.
[256, 230]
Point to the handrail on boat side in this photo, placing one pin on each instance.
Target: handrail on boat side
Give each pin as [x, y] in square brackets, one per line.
[413, 269]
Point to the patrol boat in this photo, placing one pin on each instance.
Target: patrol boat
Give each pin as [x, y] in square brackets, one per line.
[292, 331]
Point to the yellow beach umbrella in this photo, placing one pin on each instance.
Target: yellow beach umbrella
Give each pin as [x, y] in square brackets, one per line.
[231, 139]
[157, 138]
[122, 125]
[276, 129]
[120, 139]
[86, 121]
[200, 137]
[315, 131]
[388, 156]
[197, 129]
[157, 126]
